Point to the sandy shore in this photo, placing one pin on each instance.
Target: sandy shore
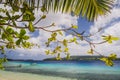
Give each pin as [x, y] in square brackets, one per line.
[6, 75]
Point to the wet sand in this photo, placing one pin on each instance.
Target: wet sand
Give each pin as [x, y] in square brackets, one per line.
[39, 75]
[6, 75]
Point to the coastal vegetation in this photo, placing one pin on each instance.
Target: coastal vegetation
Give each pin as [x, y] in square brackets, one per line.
[78, 58]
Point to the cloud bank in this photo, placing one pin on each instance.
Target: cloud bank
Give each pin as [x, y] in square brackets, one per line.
[110, 24]
[40, 36]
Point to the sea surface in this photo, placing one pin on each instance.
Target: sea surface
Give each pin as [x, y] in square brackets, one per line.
[77, 70]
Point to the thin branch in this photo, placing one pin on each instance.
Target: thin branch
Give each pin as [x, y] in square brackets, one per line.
[38, 21]
[20, 27]
[98, 53]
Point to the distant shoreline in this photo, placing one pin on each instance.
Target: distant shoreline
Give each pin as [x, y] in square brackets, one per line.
[73, 58]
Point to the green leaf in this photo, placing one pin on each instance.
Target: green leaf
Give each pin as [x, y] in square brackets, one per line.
[54, 34]
[26, 37]
[8, 46]
[75, 26]
[60, 32]
[107, 61]
[50, 39]
[2, 21]
[112, 56]
[1, 65]
[29, 16]
[26, 44]
[43, 9]
[54, 52]
[109, 41]
[0, 31]
[9, 30]
[47, 52]
[68, 56]
[25, 4]
[53, 24]
[4, 36]
[26, 17]
[5, 59]
[15, 8]
[58, 57]
[115, 38]
[66, 49]
[28, 12]
[80, 36]
[14, 23]
[18, 42]
[6, 18]
[65, 42]
[22, 32]
[7, 13]
[2, 49]
[47, 44]
[110, 38]
[74, 40]
[16, 17]
[31, 27]
[10, 38]
[43, 17]
[1, 27]
[16, 34]
[58, 48]
[32, 17]
[90, 51]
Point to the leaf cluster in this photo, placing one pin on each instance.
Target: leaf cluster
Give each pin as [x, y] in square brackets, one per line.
[109, 60]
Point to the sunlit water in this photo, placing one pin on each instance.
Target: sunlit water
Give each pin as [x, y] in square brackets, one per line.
[80, 70]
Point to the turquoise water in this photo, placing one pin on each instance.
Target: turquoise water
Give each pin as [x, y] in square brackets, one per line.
[74, 69]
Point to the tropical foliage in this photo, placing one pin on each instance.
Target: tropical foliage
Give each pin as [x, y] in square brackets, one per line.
[23, 11]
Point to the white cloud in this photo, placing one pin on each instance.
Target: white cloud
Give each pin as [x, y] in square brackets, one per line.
[113, 29]
[106, 21]
[35, 53]
[111, 26]
[59, 19]
[31, 54]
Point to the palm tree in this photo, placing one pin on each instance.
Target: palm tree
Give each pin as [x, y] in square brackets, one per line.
[90, 9]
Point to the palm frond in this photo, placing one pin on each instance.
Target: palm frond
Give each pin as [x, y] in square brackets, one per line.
[90, 9]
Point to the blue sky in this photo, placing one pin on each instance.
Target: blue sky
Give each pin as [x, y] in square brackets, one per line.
[84, 25]
[110, 23]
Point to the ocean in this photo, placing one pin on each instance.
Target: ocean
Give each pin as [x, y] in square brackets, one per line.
[73, 70]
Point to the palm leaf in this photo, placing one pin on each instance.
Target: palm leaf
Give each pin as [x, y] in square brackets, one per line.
[90, 9]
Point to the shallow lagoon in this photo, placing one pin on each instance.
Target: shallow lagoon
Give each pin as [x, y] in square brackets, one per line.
[77, 70]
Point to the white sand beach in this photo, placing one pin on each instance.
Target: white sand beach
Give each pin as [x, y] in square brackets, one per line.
[6, 75]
